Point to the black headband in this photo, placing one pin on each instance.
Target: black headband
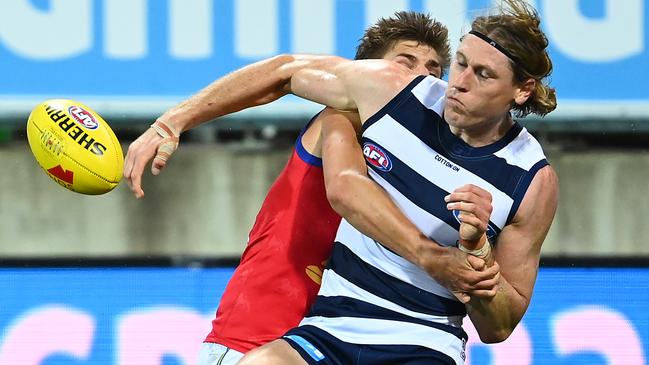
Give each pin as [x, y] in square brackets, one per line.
[498, 47]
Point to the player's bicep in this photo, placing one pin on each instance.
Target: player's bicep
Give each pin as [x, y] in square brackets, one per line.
[323, 80]
[364, 85]
[518, 258]
[519, 244]
[323, 88]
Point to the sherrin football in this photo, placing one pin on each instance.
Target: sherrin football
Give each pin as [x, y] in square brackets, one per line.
[75, 146]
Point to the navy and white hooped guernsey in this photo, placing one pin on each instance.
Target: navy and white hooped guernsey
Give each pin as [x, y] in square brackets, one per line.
[370, 295]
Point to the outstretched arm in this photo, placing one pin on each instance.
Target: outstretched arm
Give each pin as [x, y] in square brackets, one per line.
[366, 206]
[253, 85]
[329, 80]
[517, 253]
[317, 78]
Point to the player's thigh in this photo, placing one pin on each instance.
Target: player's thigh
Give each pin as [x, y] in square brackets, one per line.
[277, 352]
[216, 354]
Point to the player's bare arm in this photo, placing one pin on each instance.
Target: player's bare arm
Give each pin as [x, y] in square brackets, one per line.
[366, 206]
[517, 251]
[253, 85]
[329, 80]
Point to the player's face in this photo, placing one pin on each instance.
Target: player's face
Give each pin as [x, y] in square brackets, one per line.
[481, 86]
[419, 58]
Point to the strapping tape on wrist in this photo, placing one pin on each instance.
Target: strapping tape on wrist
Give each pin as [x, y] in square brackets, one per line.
[169, 142]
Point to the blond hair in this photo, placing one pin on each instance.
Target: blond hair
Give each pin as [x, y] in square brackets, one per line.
[517, 29]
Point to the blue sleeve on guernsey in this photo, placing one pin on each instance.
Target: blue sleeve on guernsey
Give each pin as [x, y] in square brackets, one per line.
[302, 152]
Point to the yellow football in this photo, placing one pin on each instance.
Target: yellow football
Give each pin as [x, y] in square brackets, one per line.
[75, 146]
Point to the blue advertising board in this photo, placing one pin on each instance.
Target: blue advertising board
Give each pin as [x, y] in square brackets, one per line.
[141, 52]
[159, 316]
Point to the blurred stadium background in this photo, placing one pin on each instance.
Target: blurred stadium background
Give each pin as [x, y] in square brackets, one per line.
[115, 280]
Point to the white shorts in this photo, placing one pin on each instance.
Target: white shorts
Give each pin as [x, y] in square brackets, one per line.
[215, 354]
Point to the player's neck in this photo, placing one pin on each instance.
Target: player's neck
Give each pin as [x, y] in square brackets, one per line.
[485, 133]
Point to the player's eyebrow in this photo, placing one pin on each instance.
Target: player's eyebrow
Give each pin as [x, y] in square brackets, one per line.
[408, 56]
[476, 65]
[432, 64]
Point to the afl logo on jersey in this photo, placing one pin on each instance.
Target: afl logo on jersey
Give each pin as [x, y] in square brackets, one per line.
[491, 231]
[376, 157]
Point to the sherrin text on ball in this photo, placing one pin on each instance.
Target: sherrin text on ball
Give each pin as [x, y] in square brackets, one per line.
[75, 146]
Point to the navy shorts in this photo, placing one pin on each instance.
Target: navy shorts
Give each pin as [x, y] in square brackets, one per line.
[318, 347]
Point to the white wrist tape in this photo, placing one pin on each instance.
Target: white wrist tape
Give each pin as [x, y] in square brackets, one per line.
[481, 252]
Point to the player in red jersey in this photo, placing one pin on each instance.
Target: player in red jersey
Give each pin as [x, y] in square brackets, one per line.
[279, 273]
[278, 276]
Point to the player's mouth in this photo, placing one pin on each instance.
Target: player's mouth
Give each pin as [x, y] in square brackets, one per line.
[452, 100]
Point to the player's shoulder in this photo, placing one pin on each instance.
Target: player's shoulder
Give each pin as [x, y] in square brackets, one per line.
[547, 177]
[543, 191]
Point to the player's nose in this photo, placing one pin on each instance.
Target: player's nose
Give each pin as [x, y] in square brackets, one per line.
[461, 81]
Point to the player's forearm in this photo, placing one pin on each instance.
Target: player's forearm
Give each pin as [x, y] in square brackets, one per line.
[367, 207]
[360, 200]
[495, 318]
[256, 84]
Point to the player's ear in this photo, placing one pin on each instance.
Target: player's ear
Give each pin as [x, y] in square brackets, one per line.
[524, 91]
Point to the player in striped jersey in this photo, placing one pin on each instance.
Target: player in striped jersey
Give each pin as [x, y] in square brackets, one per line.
[277, 256]
[373, 300]
[422, 139]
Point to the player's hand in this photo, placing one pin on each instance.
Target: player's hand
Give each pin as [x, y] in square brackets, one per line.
[487, 287]
[464, 275]
[474, 206]
[158, 143]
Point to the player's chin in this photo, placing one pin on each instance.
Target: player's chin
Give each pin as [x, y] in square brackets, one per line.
[458, 118]
[454, 116]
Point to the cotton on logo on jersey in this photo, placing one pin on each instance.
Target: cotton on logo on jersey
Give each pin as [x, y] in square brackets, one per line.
[376, 157]
[83, 117]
